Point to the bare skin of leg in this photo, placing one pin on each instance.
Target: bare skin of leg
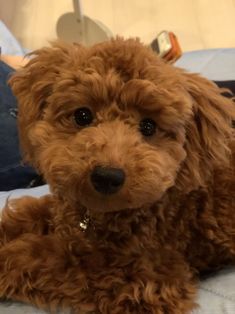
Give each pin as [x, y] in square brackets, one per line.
[15, 62]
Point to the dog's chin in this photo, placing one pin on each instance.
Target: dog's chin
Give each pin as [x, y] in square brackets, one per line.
[107, 204]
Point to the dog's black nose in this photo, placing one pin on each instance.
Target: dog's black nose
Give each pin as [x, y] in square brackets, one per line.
[107, 180]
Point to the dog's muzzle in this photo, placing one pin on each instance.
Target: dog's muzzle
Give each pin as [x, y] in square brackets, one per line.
[107, 180]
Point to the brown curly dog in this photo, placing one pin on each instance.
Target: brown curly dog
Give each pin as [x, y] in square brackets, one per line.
[140, 159]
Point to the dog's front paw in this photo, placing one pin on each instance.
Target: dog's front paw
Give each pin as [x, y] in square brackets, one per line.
[25, 215]
[150, 286]
[148, 298]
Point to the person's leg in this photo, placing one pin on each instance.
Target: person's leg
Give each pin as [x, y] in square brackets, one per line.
[13, 174]
[229, 85]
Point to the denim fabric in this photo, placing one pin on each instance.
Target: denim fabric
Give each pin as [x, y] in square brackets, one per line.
[13, 174]
[227, 84]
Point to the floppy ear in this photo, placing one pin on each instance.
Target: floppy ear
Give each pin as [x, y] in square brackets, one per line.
[33, 84]
[208, 133]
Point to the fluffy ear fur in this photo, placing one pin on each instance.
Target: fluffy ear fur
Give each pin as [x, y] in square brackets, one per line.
[208, 133]
[33, 84]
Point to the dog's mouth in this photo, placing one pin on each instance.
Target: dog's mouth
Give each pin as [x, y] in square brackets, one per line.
[105, 204]
[109, 190]
[98, 203]
[107, 187]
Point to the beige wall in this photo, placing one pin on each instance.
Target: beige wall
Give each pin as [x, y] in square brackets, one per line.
[198, 23]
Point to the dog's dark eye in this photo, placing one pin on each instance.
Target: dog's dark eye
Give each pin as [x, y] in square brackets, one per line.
[83, 116]
[148, 127]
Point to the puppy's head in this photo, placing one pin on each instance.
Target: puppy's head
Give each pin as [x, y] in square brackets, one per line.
[113, 127]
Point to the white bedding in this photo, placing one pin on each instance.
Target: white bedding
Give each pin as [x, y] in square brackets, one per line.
[215, 64]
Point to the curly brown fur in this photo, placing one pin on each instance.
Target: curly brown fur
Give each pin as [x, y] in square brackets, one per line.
[143, 247]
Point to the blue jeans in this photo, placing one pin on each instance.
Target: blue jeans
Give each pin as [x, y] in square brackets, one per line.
[13, 174]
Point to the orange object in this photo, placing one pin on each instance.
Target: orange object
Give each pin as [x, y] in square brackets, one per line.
[166, 45]
[175, 51]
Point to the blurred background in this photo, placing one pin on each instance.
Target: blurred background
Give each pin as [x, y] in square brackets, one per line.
[198, 24]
